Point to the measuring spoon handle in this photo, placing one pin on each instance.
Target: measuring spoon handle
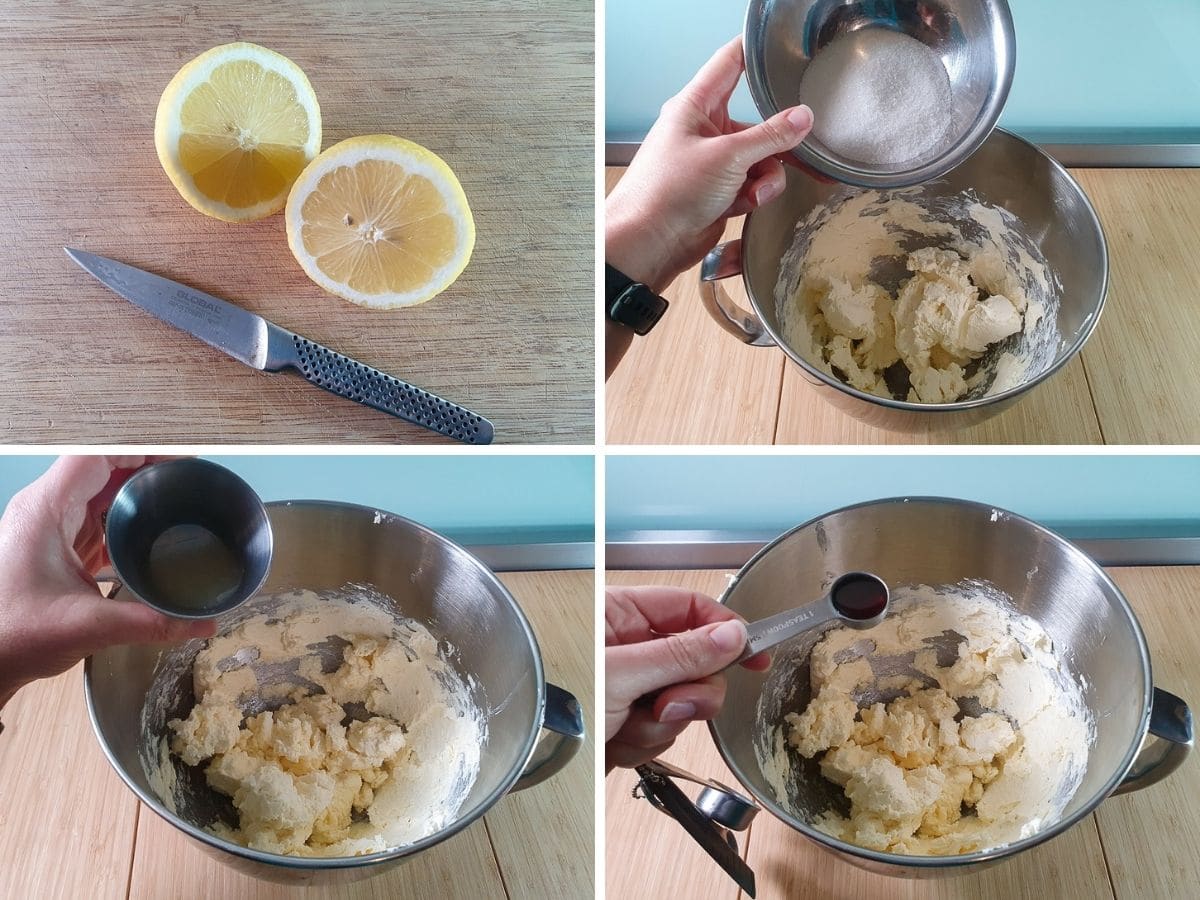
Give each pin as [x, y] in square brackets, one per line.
[766, 633]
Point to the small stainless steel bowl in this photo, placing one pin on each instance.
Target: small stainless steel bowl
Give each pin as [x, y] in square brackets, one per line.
[197, 502]
[974, 39]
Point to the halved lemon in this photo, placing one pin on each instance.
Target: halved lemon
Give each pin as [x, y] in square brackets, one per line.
[234, 129]
[380, 221]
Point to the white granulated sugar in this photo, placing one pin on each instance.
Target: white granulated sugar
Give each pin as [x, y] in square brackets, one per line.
[878, 96]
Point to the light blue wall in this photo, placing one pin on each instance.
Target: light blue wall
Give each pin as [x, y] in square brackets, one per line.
[1091, 64]
[483, 499]
[477, 499]
[1114, 496]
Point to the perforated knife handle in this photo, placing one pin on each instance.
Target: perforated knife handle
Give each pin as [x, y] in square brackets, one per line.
[347, 378]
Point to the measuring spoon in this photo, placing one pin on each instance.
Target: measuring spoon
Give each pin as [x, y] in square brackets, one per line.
[856, 599]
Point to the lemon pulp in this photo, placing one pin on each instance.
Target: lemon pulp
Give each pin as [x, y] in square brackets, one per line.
[234, 129]
[380, 221]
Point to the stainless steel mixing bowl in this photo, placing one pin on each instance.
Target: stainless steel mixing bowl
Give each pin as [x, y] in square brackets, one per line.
[1006, 171]
[974, 39]
[533, 728]
[1142, 733]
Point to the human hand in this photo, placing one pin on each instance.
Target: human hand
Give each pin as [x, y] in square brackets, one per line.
[51, 545]
[663, 649]
[696, 168]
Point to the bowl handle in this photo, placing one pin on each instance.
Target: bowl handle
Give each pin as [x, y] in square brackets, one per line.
[562, 736]
[725, 261]
[1171, 725]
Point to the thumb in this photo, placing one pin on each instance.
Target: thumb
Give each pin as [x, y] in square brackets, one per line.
[637, 669]
[102, 623]
[779, 134]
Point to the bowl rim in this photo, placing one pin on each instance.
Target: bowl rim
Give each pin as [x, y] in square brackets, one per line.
[1081, 337]
[1004, 850]
[864, 176]
[392, 854]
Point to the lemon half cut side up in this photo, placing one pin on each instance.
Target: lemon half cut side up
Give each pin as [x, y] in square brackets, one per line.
[380, 221]
[234, 129]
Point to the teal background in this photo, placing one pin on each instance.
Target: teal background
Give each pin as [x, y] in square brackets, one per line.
[476, 499]
[1119, 69]
[1085, 496]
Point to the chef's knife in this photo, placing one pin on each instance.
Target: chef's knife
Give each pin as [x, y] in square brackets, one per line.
[263, 345]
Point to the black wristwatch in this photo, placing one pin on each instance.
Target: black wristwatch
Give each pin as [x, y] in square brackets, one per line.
[631, 303]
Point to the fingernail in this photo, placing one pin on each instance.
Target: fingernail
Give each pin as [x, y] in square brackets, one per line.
[767, 193]
[801, 117]
[728, 636]
[677, 712]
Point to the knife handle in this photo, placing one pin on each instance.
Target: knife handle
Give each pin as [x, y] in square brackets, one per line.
[348, 378]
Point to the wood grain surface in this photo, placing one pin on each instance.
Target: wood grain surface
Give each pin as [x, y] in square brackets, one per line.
[501, 89]
[1141, 846]
[1141, 360]
[1152, 837]
[689, 382]
[79, 832]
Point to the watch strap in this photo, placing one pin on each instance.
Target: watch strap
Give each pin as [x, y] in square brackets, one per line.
[631, 303]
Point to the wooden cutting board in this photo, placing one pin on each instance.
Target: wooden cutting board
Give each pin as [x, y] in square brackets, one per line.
[501, 90]
[79, 832]
[1134, 383]
[1140, 846]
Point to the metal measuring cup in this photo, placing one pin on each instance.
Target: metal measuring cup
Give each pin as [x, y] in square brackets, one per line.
[189, 538]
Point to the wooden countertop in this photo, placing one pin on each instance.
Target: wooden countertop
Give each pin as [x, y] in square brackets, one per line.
[1141, 845]
[1135, 382]
[502, 91]
[69, 826]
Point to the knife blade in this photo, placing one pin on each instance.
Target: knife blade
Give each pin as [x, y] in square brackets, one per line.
[263, 345]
